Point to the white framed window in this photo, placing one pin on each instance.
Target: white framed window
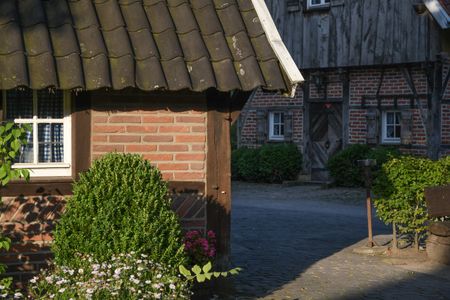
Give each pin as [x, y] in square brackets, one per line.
[276, 126]
[391, 127]
[318, 3]
[49, 150]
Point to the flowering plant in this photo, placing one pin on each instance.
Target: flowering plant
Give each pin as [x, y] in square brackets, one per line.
[200, 249]
[124, 276]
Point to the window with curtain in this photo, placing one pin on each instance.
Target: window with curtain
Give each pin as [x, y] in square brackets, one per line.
[318, 3]
[391, 127]
[47, 152]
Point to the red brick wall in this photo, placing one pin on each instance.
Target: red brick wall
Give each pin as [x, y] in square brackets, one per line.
[363, 82]
[173, 139]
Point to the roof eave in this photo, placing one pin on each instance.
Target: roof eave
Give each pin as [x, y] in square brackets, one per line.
[438, 12]
[288, 65]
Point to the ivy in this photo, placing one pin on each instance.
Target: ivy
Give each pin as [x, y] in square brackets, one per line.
[12, 138]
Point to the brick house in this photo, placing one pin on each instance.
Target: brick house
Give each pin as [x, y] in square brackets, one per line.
[376, 72]
[164, 79]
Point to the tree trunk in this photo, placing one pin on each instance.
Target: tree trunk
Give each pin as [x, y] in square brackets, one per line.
[394, 237]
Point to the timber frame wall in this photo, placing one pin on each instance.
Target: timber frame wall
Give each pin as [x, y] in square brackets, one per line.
[413, 89]
[186, 135]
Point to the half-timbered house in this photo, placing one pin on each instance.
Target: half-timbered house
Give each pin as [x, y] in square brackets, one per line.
[376, 72]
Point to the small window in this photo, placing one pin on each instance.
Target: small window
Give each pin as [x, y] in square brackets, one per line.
[391, 127]
[318, 3]
[48, 152]
[276, 126]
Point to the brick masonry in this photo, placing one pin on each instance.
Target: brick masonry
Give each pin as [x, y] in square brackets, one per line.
[363, 83]
[170, 133]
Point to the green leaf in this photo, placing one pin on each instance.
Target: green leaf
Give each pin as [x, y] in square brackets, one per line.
[224, 274]
[207, 267]
[196, 269]
[208, 276]
[216, 274]
[185, 272]
[234, 271]
[201, 277]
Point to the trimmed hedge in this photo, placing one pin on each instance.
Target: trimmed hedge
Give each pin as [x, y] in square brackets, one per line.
[344, 168]
[120, 205]
[271, 163]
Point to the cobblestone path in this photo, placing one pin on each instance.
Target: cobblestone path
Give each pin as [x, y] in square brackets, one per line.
[296, 243]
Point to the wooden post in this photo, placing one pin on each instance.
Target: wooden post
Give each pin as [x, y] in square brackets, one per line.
[434, 137]
[306, 127]
[345, 108]
[222, 109]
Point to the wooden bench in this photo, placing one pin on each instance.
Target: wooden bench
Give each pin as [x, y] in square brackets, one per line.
[438, 242]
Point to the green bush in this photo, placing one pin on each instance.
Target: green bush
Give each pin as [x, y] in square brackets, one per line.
[344, 168]
[400, 191]
[248, 165]
[278, 162]
[235, 156]
[269, 163]
[343, 165]
[120, 205]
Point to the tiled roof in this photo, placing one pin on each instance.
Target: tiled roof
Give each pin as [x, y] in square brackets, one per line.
[148, 44]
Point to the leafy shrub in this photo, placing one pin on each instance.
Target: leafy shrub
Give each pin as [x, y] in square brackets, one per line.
[400, 191]
[248, 165]
[269, 163]
[12, 138]
[278, 162]
[120, 205]
[235, 157]
[343, 165]
[344, 168]
[125, 276]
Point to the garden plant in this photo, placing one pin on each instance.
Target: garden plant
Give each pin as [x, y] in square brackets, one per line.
[400, 192]
[119, 238]
[13, 138]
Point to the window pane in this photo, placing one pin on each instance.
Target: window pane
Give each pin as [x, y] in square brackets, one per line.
[281, 117]
[390, 131]
[51, 137]
[276, 118]
[50, 104]
[397, 118]
[19, 104]
[26, 152]
[276, 130]
[315, 2]
[281, 129]
[389, 118]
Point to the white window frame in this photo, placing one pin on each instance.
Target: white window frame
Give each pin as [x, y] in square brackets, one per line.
[320, 5]
[384, 138]
[60, 169]
[272, 135]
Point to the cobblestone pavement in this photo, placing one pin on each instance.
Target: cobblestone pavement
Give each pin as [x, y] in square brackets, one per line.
[296, 243]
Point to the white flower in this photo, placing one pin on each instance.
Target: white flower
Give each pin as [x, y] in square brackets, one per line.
[172, 286]
[17, 295]
[81, 271]
[90, 291]
[34, 279]
[157, 296]
[158, 276]
[148, 281]
[2, 287]
[62, 290]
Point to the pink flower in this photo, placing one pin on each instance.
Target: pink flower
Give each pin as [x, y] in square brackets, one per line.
[211, 234]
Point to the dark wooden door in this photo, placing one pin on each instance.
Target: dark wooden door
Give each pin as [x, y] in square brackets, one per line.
[326, 136]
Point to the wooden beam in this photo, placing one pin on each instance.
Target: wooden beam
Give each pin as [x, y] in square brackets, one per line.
[434, 135]
[218, 176]
[306, 129]
[345, 108]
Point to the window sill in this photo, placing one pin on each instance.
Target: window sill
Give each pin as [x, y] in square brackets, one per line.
[321, 8]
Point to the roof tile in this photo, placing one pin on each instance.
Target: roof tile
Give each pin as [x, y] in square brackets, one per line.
[134, 16]
[8, 11]
[149, 44]
[176, 74]
[42, 71]
[13, 71]
[13, 38]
